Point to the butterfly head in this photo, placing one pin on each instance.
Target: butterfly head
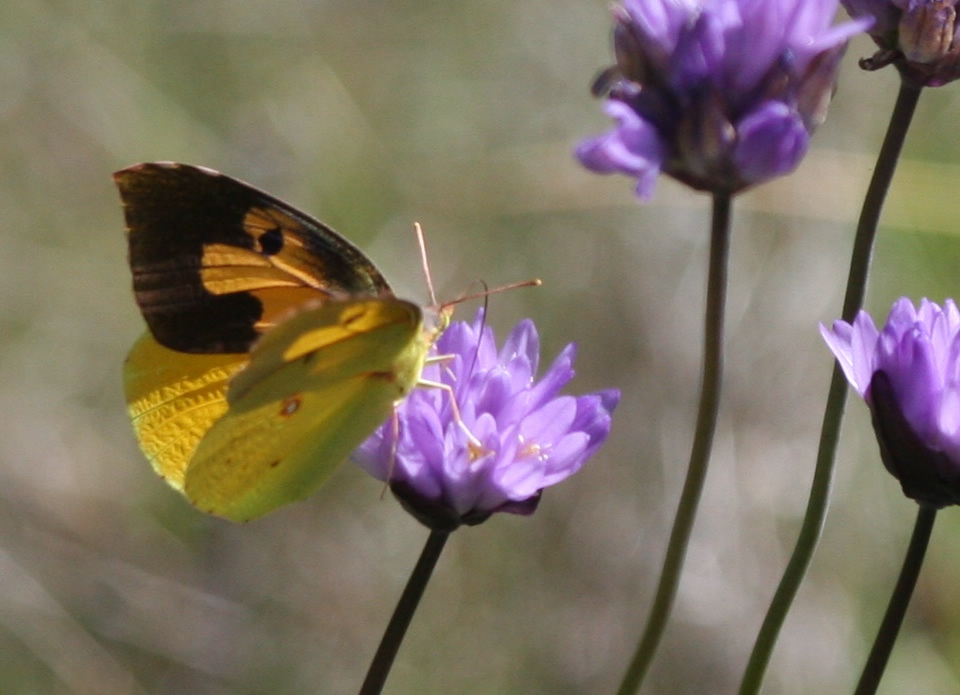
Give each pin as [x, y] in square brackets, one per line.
[435, 321]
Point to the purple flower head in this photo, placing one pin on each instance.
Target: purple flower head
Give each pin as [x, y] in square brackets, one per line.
[527, 436]
[909, 375]
[719, 94]
[919, 37]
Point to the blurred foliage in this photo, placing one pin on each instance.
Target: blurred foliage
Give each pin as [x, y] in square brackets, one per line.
[461, 116]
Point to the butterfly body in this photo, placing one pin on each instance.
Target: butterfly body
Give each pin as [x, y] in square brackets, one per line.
[275, 347]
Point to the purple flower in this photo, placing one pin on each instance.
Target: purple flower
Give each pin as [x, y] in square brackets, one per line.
[919, 37]
[909, 375]
[719, 94]
[522, 437]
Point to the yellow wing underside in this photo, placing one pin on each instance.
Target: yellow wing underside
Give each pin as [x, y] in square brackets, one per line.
[173, 399]
[253, 462]
[242, 434]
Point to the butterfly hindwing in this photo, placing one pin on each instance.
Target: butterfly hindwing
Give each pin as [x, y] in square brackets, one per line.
[329, 341]
[216, 262]
[316, 387]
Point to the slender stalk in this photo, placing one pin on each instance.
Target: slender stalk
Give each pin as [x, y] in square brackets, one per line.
[700, 453]
[403, 614]
[899, 600]
[816, 512]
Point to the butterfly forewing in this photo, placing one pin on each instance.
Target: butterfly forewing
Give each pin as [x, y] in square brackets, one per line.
[173, 399]
[216, 262]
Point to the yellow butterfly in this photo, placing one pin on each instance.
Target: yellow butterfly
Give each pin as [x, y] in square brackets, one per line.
[274, 349]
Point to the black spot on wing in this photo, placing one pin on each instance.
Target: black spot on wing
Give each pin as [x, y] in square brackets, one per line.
[271, 242]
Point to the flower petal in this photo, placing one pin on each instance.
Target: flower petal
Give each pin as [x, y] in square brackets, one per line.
[522, 435]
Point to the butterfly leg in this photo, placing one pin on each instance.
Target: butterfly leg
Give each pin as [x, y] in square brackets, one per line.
[477, 449]
[394, 443]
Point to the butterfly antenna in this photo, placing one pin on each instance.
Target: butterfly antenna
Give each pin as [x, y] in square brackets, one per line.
[536, 282]
[483, 325]
[421, 240]
[425, 264]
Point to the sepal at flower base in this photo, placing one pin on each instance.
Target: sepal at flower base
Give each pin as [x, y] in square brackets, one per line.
[908, 374]
[926, 475]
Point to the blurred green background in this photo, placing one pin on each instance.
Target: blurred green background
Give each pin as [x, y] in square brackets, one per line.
[370, 115]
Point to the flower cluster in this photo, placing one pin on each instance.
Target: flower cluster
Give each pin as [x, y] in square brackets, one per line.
[513, 435]
[719, 94]
[909, 376]
[919, 37]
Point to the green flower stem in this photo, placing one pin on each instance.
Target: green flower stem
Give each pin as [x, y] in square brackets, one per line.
[816, 513]
[403, 614]
[899, 600]
[700, 453]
